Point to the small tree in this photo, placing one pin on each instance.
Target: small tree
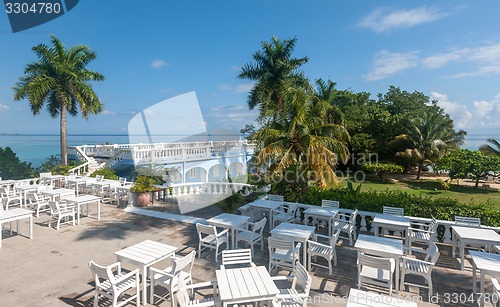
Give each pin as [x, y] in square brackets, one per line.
[380, 168]
[11, 167]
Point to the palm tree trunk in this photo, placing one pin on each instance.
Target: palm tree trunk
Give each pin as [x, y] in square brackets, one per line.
[420, 165]
[63, 137]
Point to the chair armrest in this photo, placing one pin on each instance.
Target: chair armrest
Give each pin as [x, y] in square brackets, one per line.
[290, 278]
[222, 233]
[411, 249]
[316, 236]
[157, 271]
[416, 260]
[310, 243]
[128, 275]
[419, 230]
[201, 285]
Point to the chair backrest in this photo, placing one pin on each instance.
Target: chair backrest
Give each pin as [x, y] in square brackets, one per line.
[102, 273]
[182, 292]
[54, 207]
[376, 262]
[275, 243]
[432, 253]
[352, 218]
[393, 211]
[205, 230]
[335, 238]
[236, 256]
[330, 203]
[303, 279]
[468, 221]
[496, 285]
[185, 263]
[275, 197]
[46, 174]
[259, 225]
[99, 177]
[290, 208]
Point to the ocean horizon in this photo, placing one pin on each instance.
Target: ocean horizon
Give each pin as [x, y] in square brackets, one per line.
[36, 148]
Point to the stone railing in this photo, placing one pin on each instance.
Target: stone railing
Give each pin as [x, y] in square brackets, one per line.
[197, 188]
[164, 152]
[363, 223]
[26, 182]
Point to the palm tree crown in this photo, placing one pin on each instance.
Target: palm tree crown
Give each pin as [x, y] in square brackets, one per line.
[60, 80]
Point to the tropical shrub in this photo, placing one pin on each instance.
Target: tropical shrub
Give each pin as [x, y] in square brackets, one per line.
[11, 167]
[107, 172]
[380, 168]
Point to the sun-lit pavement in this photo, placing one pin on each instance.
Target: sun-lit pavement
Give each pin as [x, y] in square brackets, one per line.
[52, 269]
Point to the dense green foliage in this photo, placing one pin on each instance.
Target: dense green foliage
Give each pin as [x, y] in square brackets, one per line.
[380, 168]
[59, 79]
[11, 167]
[54, 165]
[463, 163]
[143, 184]
[231, 203]
[414, 205]
[107, 172]
[493, 149]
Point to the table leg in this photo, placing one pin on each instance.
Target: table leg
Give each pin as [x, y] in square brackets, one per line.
[462, 254]
[474, 282]
[98, 209]
[481, 300]
[1, 233]
[397, 274]
[304, 253]
[31, 226]
[232, 238]
[306, 218]
[144, 284]
[375, 226]
[453, 244]
[78, 213]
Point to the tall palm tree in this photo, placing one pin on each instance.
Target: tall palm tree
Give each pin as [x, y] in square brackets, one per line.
[428, 136]
[488, 149]
[59, 79]
[274, 69]
[302, 141]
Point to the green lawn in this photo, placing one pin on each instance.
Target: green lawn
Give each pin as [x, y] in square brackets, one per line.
[432, 188]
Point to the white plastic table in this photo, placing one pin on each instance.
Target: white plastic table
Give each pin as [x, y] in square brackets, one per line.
[358, 298]
[245, 285]
[472, 235]
[143, 255]
[79, 201]
[382, 247]
[230, 221]
[58, 193]
[294, 232]
[320, 213]
[16, 214]
[53, 179]
[391, 222]
[486, 263]
[25, 189]
[80, 181]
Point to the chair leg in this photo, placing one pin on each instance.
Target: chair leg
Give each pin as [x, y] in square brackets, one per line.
[58, 222]
[216, 253]
[96, 299]
[152, 291]
[330, 269]
[309, 262]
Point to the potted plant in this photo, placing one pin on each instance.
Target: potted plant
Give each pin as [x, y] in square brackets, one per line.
[142, 188]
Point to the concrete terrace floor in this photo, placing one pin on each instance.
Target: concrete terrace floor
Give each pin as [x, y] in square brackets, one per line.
[52, 269]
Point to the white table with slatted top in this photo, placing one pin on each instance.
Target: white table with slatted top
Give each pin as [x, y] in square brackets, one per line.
[390, 222]
[320, 213]
[58, 193]
[358, 298]
[473, 236]
[143, 255]
[81, 200]
[245, 285]
[382, 247]
[296, 233]
[229, 221]
[486, 263]
[15, 214]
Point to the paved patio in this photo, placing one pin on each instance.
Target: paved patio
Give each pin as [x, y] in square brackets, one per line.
[52, 269]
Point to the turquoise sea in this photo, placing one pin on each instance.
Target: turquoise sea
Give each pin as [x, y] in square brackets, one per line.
[35, 148]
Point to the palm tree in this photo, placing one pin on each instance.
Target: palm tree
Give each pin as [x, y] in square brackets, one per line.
[59, 79]
[274, 69]
[302, 141]
[488, 149]
[428, 136]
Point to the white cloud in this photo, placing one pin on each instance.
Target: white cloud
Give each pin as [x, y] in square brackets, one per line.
[158, 63]
[383, 20]
[480, 114]
[4, 108]
[107, 112]
[387, 63]
[243, 88]
[231, 116]
[225, 87]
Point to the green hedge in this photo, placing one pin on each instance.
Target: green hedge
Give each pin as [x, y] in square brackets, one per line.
[414, 205]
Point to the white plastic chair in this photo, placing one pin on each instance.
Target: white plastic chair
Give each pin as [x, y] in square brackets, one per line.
[346, 223]
[167, 276]
[376, 271]
[414, 266]
[10, 198]
[210, 238]
[326, 251]
[59, 212]
[424, 234]
[237, 257]
[275, 197]
[393, 211]
[112, 285]
[186, 301]
[284, 213]
[282, 253]
[39, 202]
[298, 287]
[252, 234]
[496, 291]
[325, 203]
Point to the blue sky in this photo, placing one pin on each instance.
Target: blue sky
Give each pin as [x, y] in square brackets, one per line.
[153, 50]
